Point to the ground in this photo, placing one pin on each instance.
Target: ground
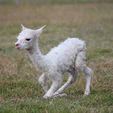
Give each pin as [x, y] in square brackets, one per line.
[92, 22]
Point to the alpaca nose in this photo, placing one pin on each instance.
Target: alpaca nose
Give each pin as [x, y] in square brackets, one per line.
[16, 44]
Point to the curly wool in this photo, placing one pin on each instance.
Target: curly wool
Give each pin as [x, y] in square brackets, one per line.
[63, 57]
[69, 56]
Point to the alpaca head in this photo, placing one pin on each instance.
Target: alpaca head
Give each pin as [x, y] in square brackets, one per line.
[27, 37]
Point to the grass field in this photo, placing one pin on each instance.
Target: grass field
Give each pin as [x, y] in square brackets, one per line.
[19, 90]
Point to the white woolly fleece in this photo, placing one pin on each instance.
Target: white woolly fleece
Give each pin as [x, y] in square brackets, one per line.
[69, 56]
[62, 57]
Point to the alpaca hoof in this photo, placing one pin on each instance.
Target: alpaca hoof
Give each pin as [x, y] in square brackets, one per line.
[63, 95]
[86, 94]
[60, 95]
[46, 97]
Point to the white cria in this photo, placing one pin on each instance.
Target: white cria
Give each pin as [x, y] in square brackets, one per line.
[68, 57]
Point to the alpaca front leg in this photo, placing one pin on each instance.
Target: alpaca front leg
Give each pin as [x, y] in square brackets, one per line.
[71, 79]
[43, 81]
[55, 85]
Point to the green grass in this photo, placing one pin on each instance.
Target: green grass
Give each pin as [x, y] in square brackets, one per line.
[19, 90]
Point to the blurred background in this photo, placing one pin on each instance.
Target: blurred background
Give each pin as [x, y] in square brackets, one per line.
[38, 2]
[90, 20]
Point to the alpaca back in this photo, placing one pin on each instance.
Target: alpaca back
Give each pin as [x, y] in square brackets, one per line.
[64, 54]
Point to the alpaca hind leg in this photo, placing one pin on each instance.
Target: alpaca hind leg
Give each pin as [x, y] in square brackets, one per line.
[43, 81]
[81, 65]
[88, 75]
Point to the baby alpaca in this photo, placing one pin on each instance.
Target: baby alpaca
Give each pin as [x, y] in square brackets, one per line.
[68, 57]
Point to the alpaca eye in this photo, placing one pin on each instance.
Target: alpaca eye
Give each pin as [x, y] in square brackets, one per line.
[28, 39]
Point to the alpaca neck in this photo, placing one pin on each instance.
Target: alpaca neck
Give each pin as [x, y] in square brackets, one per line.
[36, 57]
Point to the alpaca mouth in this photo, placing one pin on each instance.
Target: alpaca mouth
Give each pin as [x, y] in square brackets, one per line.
[17, 47]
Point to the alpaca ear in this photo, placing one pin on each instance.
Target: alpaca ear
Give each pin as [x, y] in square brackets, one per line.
[23, 27]
[40, 30]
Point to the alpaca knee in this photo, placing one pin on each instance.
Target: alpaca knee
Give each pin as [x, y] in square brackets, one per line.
[88, 72]
[41, 79]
